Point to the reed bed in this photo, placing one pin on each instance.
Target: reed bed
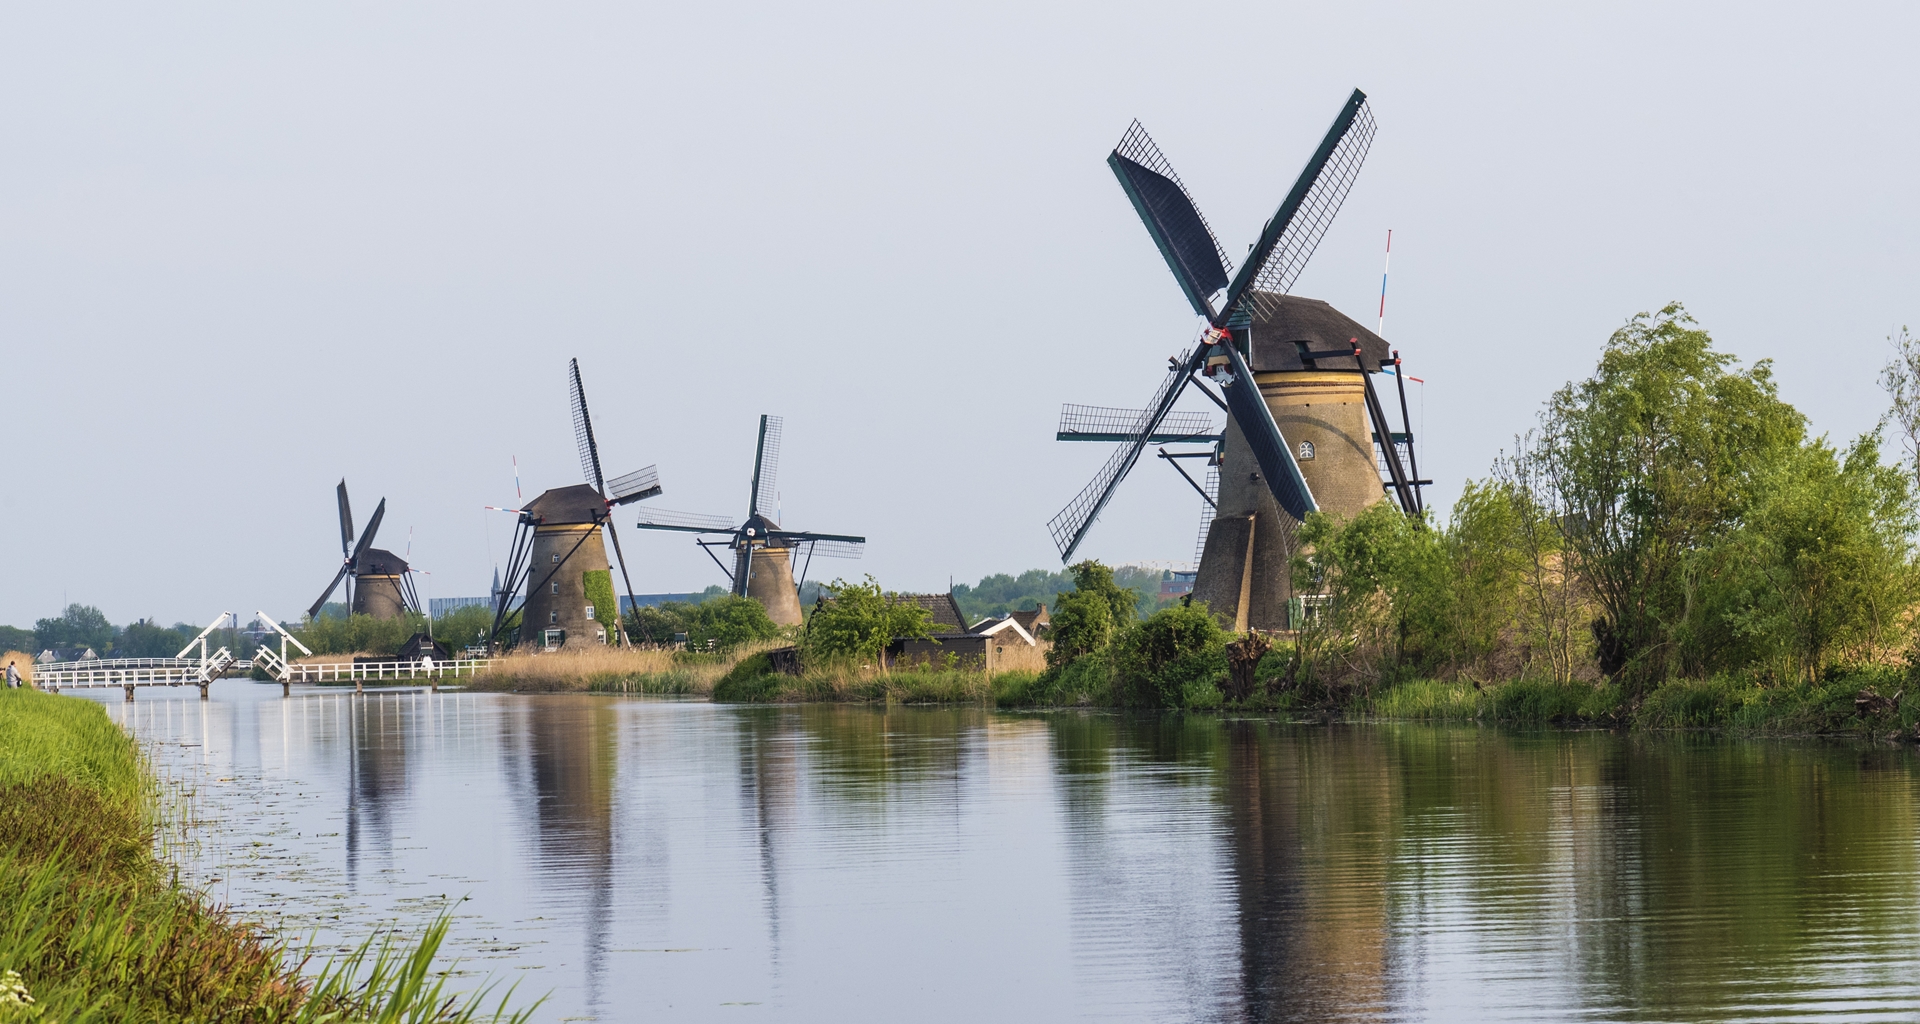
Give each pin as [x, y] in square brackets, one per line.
[654, 670]
[22, 662]
[753, 681]
[93, 927]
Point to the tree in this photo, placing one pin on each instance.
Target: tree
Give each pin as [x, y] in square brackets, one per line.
[1901, 379]
[1822, 562]
[1088, 617]
[1155, 659]
[861, 620]
[80, 626]
[1647, 460]
[145, 638]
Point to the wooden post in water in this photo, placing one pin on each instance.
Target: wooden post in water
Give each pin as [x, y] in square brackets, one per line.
[129, 691]
[203, 689]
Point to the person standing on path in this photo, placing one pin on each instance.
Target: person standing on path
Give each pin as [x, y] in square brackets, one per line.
[13, 677]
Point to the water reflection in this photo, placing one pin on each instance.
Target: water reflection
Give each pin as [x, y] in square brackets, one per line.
[667, 859]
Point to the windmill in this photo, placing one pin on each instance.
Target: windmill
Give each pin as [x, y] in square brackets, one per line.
[377, 580]
[557, 554]
[1294, 375]
[763, 552]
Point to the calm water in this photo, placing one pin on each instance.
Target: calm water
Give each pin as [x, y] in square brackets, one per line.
[644, 859]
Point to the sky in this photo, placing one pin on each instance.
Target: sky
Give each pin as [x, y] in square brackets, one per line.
[247, 250]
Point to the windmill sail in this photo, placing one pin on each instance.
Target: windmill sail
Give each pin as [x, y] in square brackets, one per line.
[1181, 234]
[583, 429]
[1295, 230]
[1270, 450]
[766, 468]
[685, 522]
[635, 486]
[1069, 526]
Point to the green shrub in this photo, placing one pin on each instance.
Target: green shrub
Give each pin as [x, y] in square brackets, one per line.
[751, 681]
[1157, 659]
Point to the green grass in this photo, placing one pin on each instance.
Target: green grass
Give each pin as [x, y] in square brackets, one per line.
[96, 929]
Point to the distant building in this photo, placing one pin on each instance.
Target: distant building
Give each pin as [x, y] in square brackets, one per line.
[993, 645]
[1176, 584]
[441, 606]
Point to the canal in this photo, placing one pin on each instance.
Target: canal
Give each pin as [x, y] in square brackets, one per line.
[641, 859]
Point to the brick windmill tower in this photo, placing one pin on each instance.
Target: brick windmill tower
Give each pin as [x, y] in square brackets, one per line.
[1306, 430]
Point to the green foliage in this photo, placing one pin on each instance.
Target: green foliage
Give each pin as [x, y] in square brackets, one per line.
[1662, 451]
[144, 638]
[1822, 562]
[359, 634]
[1000, 593]
[1157, 660]
[727, 620]
[93, 928]
[464, 626]
[598, 584]
[749, 682]
[80, 626]
[13, 638]
[1088, 617]
[860, 621]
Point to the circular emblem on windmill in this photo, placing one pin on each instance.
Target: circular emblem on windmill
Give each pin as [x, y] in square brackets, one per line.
[1306, 451]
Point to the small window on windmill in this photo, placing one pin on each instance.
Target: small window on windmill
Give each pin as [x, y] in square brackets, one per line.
[554, 615]
[556, 586]
[1307, 610]
[556, 558]
[602, 636]
[1306, 451]
[554, 637]
[589, 611]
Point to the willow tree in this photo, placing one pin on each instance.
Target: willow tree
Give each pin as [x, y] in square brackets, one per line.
[1664, 448]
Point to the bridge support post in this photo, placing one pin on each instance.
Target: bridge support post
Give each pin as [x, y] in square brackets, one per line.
[286, 688]
[357, 685]
[129, 692]
[203, 690]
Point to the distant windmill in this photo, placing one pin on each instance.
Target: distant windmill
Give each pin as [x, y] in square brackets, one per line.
[377, 580]
[557, 554]
[762, 551]
[1306, 430]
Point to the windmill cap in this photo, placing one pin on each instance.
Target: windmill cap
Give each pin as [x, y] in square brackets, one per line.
[567, 506]
[379, 562]
[1287, 320]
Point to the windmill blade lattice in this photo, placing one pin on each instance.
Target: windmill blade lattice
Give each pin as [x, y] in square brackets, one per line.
[583, 429]
[639, 484]
[766, 467]
[346, 519]
[1070, 525]
[1107, 423]
[1181, 233]
[686, 522]
[1291, 236]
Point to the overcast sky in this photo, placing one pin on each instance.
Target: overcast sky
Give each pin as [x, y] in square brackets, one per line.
[249, 249]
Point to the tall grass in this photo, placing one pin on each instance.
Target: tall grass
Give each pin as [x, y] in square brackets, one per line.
[753, 680]
[98, 930]
[598, 669]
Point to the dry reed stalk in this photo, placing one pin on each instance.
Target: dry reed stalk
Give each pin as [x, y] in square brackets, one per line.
[614, 669]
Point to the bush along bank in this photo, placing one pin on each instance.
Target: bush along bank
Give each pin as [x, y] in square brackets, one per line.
[93, 927]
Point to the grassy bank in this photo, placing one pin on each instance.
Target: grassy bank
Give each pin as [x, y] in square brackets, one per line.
[94, 928]
[1875, 704]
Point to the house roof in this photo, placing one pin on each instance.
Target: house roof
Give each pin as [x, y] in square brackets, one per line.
[1032, 619]
[988, 627]
[1287, 320]
[565, 506]
[946, 611]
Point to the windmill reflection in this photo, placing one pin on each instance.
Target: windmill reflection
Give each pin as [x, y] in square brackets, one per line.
[561, 756]
[376, 773]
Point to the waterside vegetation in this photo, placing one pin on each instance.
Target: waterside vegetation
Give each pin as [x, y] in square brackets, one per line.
[94, 927]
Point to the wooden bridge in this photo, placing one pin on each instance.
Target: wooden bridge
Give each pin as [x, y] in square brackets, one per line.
[288, 672]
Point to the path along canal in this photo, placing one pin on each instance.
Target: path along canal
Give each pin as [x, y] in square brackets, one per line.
[651, 859]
